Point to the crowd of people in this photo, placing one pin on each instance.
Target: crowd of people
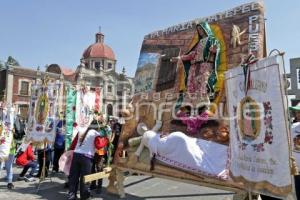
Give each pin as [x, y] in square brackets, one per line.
[90, 149]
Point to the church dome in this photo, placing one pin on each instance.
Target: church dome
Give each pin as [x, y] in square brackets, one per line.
[99, 49]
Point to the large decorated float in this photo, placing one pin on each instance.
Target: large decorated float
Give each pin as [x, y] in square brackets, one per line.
[205, 111]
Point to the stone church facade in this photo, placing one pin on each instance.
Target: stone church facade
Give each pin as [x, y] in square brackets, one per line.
[97, 69]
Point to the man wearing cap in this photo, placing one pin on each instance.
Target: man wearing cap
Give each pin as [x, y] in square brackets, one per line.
[296, 112]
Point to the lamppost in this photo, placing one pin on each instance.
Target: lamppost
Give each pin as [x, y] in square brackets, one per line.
[7, 67]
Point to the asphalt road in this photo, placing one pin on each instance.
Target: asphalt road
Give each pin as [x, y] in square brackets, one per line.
[136, 187]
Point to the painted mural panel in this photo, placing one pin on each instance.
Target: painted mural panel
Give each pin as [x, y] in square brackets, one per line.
[144, 76]
[208, 46]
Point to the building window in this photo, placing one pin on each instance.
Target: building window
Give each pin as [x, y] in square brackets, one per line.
[120, 93]
[24, 89]
[109, 89]
[109, 66]
[92, 89]
[97, 65]
[109, 110]
[288, 82]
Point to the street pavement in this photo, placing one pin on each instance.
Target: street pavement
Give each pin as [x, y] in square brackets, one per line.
[136, 188]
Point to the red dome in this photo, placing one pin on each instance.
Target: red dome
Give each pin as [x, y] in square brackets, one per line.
[99, 50]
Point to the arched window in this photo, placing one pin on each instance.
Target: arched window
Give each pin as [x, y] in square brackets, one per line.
[109, 110]
[109, 66]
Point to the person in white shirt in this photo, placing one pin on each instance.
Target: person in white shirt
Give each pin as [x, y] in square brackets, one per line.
[88, 141]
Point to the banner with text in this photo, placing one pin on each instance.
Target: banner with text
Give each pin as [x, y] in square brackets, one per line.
[259, 129]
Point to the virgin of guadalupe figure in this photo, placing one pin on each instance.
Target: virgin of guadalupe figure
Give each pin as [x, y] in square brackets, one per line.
[42, 109]
[249, 119]
[200, 63]
[84, 115]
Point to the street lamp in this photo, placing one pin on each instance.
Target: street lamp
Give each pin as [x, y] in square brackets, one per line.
[7, 67]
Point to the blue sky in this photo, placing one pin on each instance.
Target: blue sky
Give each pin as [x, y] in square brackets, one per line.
[39, 32]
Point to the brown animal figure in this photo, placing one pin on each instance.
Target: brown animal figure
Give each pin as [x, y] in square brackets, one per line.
[128, 129]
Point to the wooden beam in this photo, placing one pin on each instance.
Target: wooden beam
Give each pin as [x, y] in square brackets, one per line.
[217, 184]
[96, 176]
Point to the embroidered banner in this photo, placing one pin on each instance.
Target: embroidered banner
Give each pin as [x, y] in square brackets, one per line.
[85, 105]
[70, 115]
[43, 112]
[6, 135]
[259, 129]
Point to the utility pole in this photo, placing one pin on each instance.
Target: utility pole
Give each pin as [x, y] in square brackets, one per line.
[7, 68]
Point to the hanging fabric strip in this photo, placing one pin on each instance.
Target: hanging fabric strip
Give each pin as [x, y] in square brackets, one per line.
[246, 69]
[6, 134]
[97, 100]
[70, 115]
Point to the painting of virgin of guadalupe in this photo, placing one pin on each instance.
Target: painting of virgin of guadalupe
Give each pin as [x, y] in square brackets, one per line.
[249, 119]
[42, 113]
[85, 105]
[200, 64]
[42, 109]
